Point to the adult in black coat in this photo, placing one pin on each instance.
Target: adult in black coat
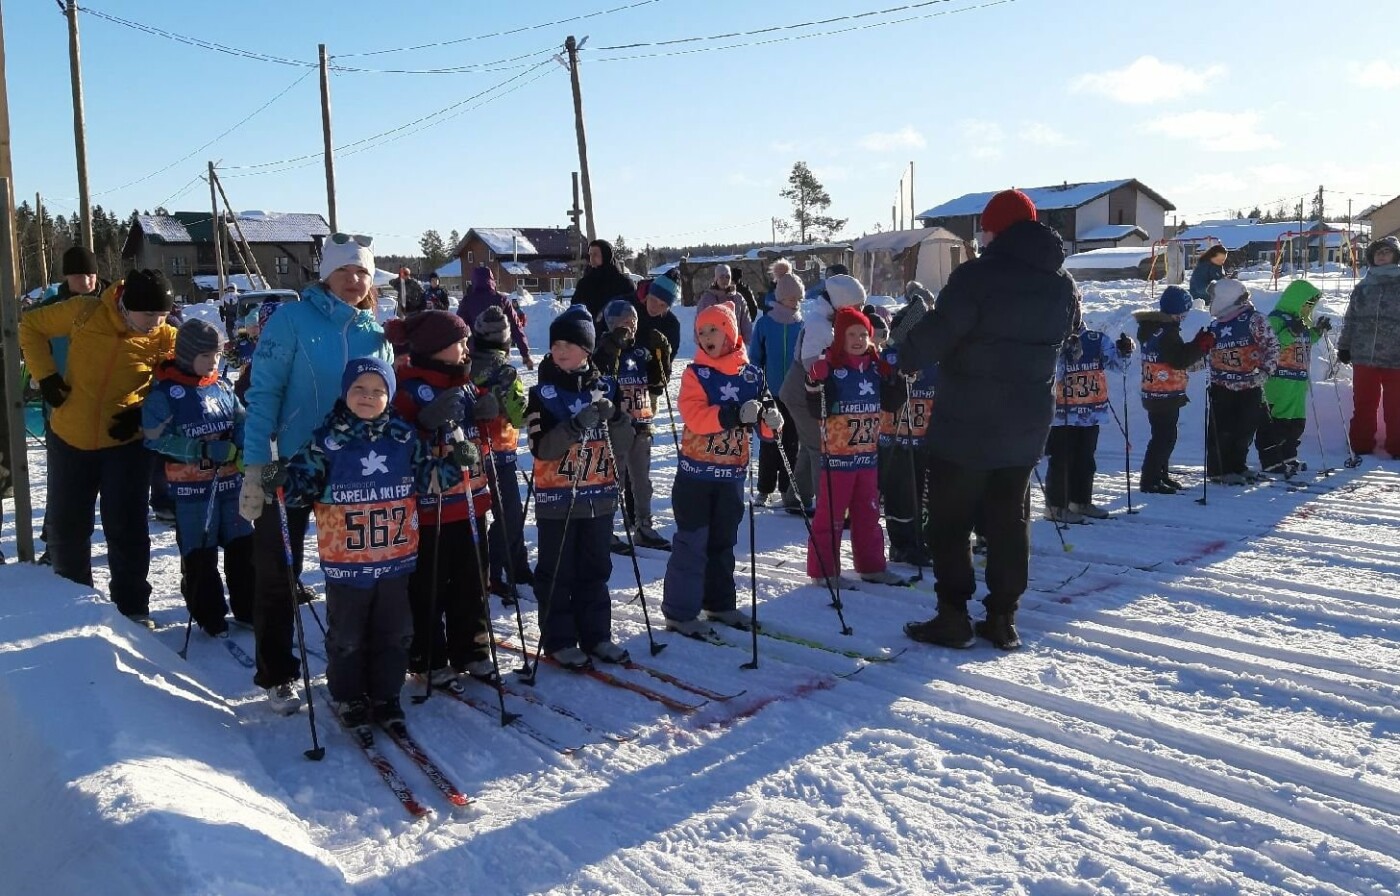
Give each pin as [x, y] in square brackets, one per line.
[603, 281]
[995, 332]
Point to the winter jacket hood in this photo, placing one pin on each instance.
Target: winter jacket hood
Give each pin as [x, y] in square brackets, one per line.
[483, 279]
[1030, 243]
[1298, 294]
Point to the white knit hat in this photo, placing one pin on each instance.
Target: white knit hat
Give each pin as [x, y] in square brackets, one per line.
[844, 291]
[336, 255]
[1226, 294]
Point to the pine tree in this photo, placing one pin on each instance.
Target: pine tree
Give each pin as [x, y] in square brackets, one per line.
[454, 239]
[434, 250]
[809, 200]
[622, 252]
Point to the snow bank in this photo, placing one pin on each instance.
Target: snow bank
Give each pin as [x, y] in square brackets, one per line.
[128, 774]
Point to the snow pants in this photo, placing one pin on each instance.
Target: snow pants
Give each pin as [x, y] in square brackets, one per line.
[771, 474]
[636, 467]
[117, 480]
[1277, 441]
[200, 582]
[507, 530]
[1373, 387]
[1230, 427]
[273, 600]
[994, 502]
[902, 471]
[1070, 476]
[700, 570]
[160, 487]
[1163, 418]
[449, 616]
[571, 581]
[368, 631]
[840, 493]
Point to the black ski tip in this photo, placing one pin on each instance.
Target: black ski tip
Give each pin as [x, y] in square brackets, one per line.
[508, 717]
[749, 665]
[848, 631]
[316, 754]
[657, 647]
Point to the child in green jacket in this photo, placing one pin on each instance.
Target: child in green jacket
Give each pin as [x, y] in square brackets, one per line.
[1286, 392]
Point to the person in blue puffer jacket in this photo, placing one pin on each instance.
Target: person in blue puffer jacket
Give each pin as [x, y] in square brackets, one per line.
[774, 349]
[297, 368]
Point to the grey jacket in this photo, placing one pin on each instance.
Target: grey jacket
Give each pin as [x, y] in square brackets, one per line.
[1371, 328]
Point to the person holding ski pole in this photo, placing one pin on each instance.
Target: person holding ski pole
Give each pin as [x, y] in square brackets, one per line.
[1081, 405]
[1286, 391]
[774, 349]
[1165, 362]
[720, 407]
[906, 405]
[1243, 358]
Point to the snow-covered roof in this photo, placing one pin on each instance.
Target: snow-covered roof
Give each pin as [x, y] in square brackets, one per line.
[1239, 233]
[662, 268]
[452, 269]
[516, 268]
[505, 240]
[786, 250]
[1111, 232]
[899, 240]
[1054, 197]
[1115, 257]
[257, 227]
[242, 281]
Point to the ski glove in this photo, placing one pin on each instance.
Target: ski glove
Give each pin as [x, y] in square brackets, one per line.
[1297, 327]
[1124, 345]
[773, 418]
[1204, 340]
[486, 407]
[507, 376]
[445, 411]
[593, 415]
[274, 476]
[1343, 356]
[816, 398]
[466, 454]
[251, 497]
[125, 424]
[54, 390]
[220, 452]
[1323, 324]
[749, 411]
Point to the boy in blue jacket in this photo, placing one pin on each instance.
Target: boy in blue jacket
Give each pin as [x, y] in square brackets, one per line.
[1081, 404]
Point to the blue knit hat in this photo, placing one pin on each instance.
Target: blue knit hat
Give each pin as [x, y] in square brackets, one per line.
[665, 287]
[616, 310]
[575, 326]
[1175, 300]
[359, 366]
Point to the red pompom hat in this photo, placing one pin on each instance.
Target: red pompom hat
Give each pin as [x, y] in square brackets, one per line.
[1006, 208]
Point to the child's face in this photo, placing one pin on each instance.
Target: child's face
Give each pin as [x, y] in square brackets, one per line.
[455, 353]
[567, 356]
[656, 307]
[627, 326]
[205, 363]
[881, 337]
[712, 340]
[368, 397]
[790, 302]
[857, 340]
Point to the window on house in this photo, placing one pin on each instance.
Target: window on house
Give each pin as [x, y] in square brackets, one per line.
[528, 282]
[568, 282]
[490, 256]
[470, 257]
[284, 264]
[554, 284]
[179, 265]
[1120, 216]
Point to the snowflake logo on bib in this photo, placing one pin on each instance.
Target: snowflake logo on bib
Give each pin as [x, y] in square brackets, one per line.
[729, 392]
[373, 463]
[867, 388]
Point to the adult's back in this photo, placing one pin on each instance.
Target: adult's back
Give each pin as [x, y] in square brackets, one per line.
[995, 331]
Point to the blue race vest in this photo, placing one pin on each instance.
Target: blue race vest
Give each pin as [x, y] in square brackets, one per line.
[1236, 358]
[205, 413]
[853, 419]
[587, 462]
[723, 455]
[632, 385]
[367, 514]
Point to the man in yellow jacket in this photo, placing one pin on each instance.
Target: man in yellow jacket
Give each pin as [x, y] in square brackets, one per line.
[95, 439]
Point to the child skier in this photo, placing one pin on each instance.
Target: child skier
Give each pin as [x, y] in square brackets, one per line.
[492, 372]
[1286, 391]
[1165, 362]
[445, 590]
[637, 372]
[845, 389]
[192, 419]
[363, 473]
[720, 404]
[774, 349]
[1081, 404]
[905, 406]
[1244, 356]
[577, 432]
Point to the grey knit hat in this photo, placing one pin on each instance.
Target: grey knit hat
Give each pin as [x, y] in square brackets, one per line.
[491, 329]
[194, 338]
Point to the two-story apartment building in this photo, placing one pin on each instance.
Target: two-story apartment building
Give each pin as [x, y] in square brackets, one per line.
[541, 259]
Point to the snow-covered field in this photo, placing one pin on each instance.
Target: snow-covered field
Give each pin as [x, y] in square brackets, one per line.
[1206, 704]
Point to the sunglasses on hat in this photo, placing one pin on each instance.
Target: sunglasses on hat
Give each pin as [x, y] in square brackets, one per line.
[359, 239]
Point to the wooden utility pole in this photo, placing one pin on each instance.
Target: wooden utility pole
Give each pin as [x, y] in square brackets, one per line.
[326, 136]
[912, 211]
[246, 246]
[574, 214]
[79, 127]
[16, 457]
[572, 49]
[43, 244]
[217, 223]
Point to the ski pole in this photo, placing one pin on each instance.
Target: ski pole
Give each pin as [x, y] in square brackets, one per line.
[753, 562]
[1064, 545]
[531, 669]
[317, 752]
[1317, 431]
[496, 507]
[1353, 459]
[1205, 439]
[184, 652]
[478, 539]
[917, 519]
[618, 475]
[671, 413]
[835, 528]
[1127, 446]
[529, 493]
[433, 611]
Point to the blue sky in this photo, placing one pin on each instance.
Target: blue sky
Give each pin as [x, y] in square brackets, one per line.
[1216, 105]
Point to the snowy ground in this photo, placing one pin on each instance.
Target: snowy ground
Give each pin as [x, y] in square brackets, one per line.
[1206, 704]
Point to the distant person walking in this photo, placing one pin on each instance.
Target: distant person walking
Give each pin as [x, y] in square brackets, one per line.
[482, 295]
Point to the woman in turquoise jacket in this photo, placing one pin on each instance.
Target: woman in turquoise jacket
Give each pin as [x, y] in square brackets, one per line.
[297, 368]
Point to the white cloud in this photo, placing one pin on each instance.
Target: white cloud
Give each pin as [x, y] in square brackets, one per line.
[984, 138]
[1041, 134]
[1215, 131]
[1376, 73]
[1148, 80]
[904, 138]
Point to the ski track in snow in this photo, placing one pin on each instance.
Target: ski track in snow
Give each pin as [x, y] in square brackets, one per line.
[1206, 703]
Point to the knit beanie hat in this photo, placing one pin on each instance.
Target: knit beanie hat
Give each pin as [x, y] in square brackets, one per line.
[847, 318]
[1390, 241]
[360, 366]
[722, 316]
[1226, 294]
[879, 317]
[425, 333]
[79, 260]
[491, 329]
[1174, 300]
[194, 338]
[574, 325]
[338, 255]
[147, 290]
[722, 270]
[845, 291]
[1006, 208]
[617, 311]
[838, 268]
[665, 287]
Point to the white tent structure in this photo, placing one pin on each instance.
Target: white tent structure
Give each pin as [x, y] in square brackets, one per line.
[885, 262]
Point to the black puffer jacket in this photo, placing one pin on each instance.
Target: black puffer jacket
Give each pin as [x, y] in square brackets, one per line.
[599, 286]
[995, 331]
[1166, 329]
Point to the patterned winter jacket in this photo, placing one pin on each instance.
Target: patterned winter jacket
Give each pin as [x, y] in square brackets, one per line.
[1286, 392]
[181, 416]
[1245, 354]
[1371, 330]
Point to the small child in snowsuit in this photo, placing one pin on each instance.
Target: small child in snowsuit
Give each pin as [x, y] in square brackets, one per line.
[446, 590]
[1286, 391]
[363, 473]
[577, 432]
[844, 389]
[491, 370]
[637, 372]
[774, 349]
[905, 406]
[1243, 358]
[1081, 404]
[721, 403]
[192, 419]
[248, 343]
[1165, 362]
